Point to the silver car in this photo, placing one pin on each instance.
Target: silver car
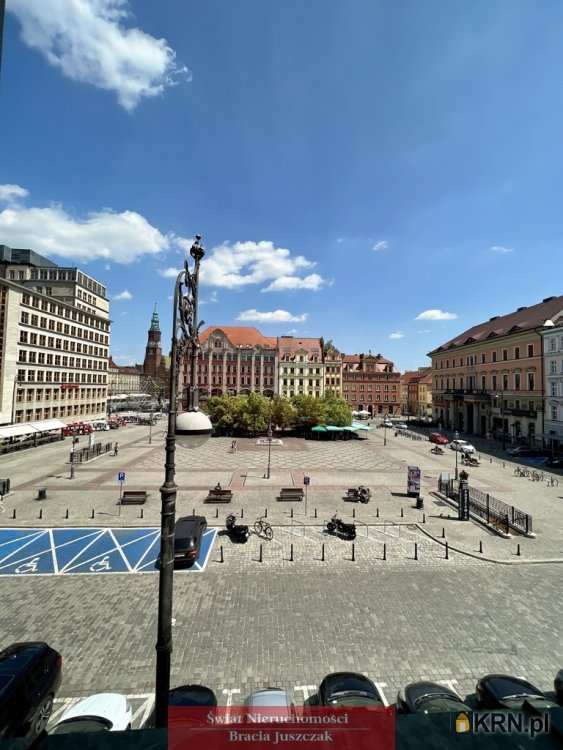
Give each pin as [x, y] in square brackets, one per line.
[275, 699]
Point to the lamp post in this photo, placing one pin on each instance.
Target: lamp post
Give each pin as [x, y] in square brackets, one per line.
[385, 432]
[456, 437]
[191, 428]
[269, 448]
[501, 396]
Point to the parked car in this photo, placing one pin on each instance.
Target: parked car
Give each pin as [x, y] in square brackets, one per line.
[505, 691]
[526, 452]
[387, 423]
[192, 695]
[401, 426]
[102, 712]
[462, 445]
[429, 698]
[555, 462]
[30, 675]
[348, 689]
[270, 698]
[187, 539]
[558, 685]
[438, 438]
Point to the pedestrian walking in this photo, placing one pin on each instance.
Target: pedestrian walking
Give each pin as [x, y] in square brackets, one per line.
[116, 449]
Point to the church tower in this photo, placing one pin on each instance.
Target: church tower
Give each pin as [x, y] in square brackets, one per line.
[153, 351]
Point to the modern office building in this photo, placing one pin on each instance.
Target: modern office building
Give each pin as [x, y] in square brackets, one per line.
[54, 340]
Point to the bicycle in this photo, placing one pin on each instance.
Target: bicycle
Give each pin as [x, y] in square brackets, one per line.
[552, 482]
[263, 529]
[535, 477]
[518, 472]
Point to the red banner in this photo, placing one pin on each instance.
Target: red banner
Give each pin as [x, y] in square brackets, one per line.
[234, 728]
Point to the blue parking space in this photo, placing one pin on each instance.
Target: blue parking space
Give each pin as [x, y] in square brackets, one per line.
[87, 551]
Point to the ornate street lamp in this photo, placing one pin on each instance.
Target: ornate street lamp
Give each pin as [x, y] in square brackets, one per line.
[269, 448]
[189, 429]
[456, 437]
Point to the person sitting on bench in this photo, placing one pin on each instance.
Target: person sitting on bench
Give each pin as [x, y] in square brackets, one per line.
[218, 487]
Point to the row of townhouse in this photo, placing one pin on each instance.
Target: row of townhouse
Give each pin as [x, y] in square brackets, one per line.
[241, 360]
[504, 376]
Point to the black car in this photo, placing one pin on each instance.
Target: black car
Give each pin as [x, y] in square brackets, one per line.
[187, 539]
[30, 675]
[348, 689]
[192, 695]
[429, 698]
[504, 691]
[558, 685]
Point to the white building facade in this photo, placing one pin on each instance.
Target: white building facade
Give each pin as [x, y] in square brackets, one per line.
[553, 384]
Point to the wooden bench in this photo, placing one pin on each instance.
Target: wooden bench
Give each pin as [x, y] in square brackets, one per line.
[219, 496]
[134, 497]
[291, 493]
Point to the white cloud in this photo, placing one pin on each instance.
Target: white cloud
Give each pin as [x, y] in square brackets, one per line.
[234, 266]
[426, 330]
[121, 237]
[502, 250]
[170, 272]
[125, 294]
[436, 315]
[10, 193]
[275, 316]
[381, 245]
[397, 335]
[88, 41]
[107, 267]
[313, 281]
[213, 297]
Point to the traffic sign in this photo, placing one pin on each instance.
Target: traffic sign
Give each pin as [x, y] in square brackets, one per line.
[121, 476]
[306, 480]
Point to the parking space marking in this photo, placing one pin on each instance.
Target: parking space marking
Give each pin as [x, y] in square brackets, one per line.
[450, 684]
[380, 686]
[307, 690]
[77, 550]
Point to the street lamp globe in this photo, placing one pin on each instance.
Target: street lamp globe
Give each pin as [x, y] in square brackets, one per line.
[193, 429]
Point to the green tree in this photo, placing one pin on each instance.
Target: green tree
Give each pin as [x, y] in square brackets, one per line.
[310, 411]
[222, 411]
[337, 412]
[283, 413]
[255, 413]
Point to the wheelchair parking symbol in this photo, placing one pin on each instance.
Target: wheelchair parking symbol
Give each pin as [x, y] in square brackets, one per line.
[28, 567]
[101, 565]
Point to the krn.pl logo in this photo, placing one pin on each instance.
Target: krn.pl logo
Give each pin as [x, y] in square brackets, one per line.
[462, 723]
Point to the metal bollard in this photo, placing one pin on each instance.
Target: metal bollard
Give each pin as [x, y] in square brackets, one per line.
[291, 553]
[92, 516]
[481, 546]
[402, 513]
[142, 513]
[291, 513]
[353, 513]
[416, 550]
[503, 464]
[193, 511]
[66, 514]
[443, 532]
[353, 552]
[424, 518]
[323, 552]
[222, 557]
[40, 516]
[265, 512]
[260, 557]
[315, 512]
[242, 512]
[14, 514]
[447, 552]
[377, 512]
[518, 550]
[384, 550]
[216, 512]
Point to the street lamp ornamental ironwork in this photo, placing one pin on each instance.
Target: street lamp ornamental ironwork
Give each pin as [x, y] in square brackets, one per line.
[189, 429]
[456, 437]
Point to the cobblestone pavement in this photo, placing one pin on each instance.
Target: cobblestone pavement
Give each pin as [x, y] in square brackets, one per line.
[246, 628]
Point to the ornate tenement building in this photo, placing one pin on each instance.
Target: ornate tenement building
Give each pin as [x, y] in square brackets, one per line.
[490, 379]
[370, 383]
[301, 367]
[234, 360]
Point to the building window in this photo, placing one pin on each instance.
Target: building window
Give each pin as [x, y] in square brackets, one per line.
[553, 367]
[505, 382]
[483, 382]
[552, 344]
[516, 381]
[505, 355]
[530, 350]
[494, 356]
[554, 413]
[553, 389]
[530, 381]
[494, 382]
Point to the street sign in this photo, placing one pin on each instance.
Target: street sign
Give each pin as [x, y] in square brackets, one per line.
[121, 476]
[306, 480]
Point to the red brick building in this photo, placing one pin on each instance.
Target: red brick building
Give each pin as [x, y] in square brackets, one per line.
[370, 383]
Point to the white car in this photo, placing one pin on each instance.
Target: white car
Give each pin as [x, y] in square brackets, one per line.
[102, 712]
[462, 445]
[387, 423]
[401, 426]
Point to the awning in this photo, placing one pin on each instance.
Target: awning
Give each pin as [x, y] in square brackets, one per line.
[16, 430]
[47, 424]
[357, 426]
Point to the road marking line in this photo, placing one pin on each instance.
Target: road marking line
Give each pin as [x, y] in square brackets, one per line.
[55, 564]
[229, 692]
[146, 552]
[125, 560]
[31, 532]
[36, 536]
[98, 536]
[306, 690]
[380, 686]
[450, 684]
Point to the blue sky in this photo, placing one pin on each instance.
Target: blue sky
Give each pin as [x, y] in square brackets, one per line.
[352, 164]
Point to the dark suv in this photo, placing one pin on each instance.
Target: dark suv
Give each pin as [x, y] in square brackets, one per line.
[30, 675]
[187, 539]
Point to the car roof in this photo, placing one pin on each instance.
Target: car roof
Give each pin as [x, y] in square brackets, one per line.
[107, 705]
[268, 698]
[189, 522]
[18, 655]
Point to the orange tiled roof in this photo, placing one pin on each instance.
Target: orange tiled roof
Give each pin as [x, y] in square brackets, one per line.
[240, 336]
[291, 344]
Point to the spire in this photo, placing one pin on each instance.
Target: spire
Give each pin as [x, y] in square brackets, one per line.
[155, 324]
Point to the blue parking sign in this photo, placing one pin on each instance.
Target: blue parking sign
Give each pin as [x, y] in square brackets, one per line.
[121, 476]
